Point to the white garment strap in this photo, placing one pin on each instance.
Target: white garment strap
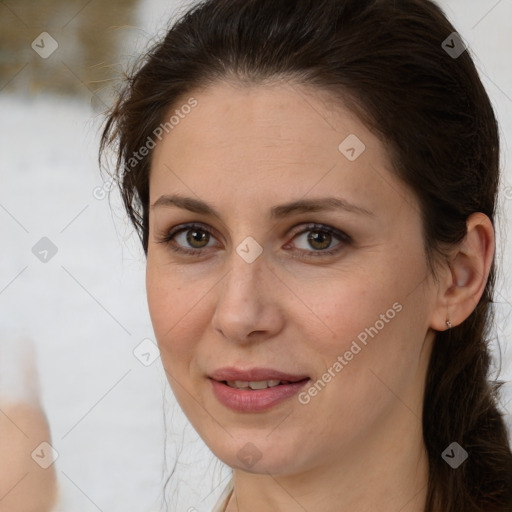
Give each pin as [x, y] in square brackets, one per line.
[222, 502]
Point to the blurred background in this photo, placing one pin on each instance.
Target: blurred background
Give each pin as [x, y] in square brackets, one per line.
[72, 274]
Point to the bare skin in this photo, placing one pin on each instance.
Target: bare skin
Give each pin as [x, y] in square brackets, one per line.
[356, 445]
[24, 485]
[27, 475]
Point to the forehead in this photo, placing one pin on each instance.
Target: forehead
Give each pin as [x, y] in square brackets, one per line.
[280, 115]
[275, 138]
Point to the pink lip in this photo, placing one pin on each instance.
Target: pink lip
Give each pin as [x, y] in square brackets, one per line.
[253, 374]
[258, 400]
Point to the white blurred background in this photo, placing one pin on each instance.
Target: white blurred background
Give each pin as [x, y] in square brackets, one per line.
[85, 309]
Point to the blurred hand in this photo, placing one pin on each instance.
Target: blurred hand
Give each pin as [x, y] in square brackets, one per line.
[25, 486]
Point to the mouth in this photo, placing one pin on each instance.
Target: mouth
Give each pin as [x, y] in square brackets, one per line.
[232, 375]
[255, 390]
[258, 384]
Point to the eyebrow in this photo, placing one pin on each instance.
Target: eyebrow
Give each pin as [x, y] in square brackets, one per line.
[276, 212]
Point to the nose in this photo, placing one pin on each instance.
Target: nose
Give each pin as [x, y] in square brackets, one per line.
[247, 307]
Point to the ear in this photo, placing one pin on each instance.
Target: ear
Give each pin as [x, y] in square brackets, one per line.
[465, 276]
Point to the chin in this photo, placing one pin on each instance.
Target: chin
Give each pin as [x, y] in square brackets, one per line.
[257, 457]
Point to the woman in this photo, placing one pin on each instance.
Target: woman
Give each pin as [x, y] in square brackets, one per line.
[314, 184]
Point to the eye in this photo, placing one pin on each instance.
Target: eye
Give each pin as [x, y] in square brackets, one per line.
[320, 238]
[195, 236]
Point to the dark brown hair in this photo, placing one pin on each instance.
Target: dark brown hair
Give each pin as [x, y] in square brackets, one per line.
[386, 60]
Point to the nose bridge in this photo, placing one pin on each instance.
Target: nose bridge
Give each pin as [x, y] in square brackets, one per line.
[243, 302]
[246, 267]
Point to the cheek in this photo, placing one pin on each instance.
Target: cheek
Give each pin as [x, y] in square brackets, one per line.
[172, 307]
[371, 346]
[343, 307]
[159, 300]
[369, 315]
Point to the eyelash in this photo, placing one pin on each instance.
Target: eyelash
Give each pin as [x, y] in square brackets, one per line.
[167, 239]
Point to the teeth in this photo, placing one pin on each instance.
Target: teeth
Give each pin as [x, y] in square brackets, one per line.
[262, 384]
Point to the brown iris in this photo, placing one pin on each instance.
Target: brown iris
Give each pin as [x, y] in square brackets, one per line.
[319, 237]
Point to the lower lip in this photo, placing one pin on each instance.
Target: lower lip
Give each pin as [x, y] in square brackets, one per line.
[258, 400]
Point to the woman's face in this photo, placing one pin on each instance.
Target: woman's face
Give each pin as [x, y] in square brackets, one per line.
[309, 262]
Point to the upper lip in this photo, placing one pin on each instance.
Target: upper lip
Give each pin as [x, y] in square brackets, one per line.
[231, 373]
